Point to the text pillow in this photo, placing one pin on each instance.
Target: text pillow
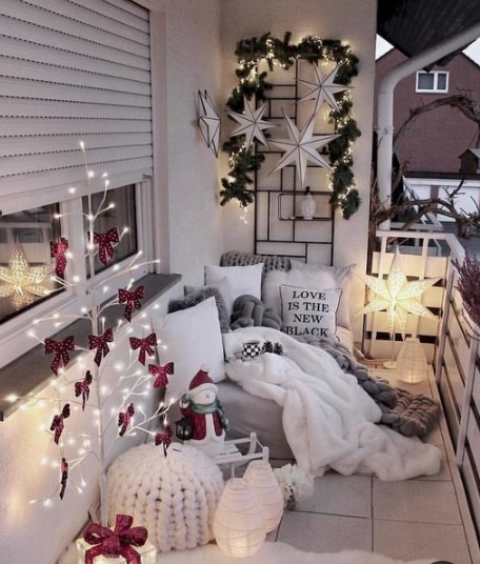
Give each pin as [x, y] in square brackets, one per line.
[193, 341]
[243, 279]
[307, 311]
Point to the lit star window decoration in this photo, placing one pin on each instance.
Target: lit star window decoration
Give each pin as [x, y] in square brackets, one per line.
[209, 122]
[301, 147]
[398, 297]
[322, 89]
[251, 123]
[22, 282]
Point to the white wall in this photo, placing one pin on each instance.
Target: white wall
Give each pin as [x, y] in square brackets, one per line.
[343, 20]
[193, 63]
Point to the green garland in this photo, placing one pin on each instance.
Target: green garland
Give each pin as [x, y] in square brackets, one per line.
[243, 163]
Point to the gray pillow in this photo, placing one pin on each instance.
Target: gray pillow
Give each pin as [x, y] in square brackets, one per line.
[200, 295]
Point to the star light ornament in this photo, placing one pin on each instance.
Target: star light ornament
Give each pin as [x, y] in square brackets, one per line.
[398, 296]
[22, 282]
[322, 89]
[251, 123]
[209, 122]
[301, 147]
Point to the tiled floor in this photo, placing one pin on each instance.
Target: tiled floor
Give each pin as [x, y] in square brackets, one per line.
[406, 520]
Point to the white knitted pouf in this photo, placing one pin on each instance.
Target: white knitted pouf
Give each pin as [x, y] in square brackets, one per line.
[174, 497]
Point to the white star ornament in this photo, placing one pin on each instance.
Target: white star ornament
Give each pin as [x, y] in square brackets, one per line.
[322, 89]
[251, 123]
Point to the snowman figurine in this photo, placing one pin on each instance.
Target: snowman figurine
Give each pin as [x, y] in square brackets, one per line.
[202, 407]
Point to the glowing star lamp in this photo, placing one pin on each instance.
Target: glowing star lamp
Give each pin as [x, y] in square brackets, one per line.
[240, 525]
[398, 297]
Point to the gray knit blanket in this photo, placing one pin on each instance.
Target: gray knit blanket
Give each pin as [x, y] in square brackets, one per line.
[409, 414]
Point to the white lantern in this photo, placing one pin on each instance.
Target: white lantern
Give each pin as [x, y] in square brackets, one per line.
[239, 524]
[260, 476]
[411, 362]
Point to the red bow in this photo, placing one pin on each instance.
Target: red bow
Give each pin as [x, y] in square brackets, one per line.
[124, 419]
[60, 348]
[131, 299]
[145, 346]
[57, 251]
[104, 242]
[64, 480]
[83, 388]
[58, 423]
[161, 373]
[101, 344]
[116, 543]
[164, 439]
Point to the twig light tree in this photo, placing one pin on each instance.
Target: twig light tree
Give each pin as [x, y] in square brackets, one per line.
[133, 380]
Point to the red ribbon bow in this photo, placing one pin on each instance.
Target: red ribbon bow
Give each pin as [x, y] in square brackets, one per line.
[60, 348]
[101, 344]
[116, 543]
[57, 251]
[131, 299]
[64, 479]
[164, 439]
[145, 346]
[58, 423]
[105, 244]
[124, 419]
[161, 373]
[83, 388]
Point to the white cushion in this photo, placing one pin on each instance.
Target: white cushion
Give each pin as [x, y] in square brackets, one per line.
[193, 341]
[243, 279]
[310, 276]
[223, 286]
[308, 311]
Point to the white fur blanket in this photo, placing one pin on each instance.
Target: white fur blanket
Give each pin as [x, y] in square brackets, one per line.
[328, 420]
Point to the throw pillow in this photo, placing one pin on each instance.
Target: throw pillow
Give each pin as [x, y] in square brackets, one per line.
[308, 311]
[243, 279]
[194, 297]
[223, 286]
[193, 340]
[310, 276]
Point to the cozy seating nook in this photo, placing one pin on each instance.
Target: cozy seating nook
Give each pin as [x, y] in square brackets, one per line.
[211, 348]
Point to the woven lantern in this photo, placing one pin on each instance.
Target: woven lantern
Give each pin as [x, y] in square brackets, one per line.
[239, 525]
[411, 362]
[260, 476]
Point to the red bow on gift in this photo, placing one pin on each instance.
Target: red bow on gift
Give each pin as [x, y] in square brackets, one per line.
[101, 344]
[60, 348]
[105, 244]
[57, 251]
[124, 419]
[145, 346]
[161, 373]
[131, 299]
[83, 388]
[58, 423]
[164, 439]
[116, 543]
[64, 480]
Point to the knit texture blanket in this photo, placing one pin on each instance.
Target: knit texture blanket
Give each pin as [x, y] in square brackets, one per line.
[409, 414]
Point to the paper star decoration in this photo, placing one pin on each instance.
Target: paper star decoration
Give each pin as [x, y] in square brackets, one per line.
[251, 123]
[209, 122]
[301, 147]
[21, 281]
[398, 296]
[323, 89]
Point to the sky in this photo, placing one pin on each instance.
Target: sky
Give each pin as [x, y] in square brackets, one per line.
[473, 51]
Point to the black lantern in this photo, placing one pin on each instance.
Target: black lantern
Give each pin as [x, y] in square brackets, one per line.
[184, 429]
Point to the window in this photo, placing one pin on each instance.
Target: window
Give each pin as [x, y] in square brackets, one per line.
[25, 262]
[432, 82]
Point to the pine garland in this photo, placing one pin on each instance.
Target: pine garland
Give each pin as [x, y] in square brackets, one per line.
[250, 52]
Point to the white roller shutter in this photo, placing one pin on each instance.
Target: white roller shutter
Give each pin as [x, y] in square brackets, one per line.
[71, 70]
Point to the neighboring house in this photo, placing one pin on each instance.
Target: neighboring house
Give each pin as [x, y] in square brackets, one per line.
[437, 145]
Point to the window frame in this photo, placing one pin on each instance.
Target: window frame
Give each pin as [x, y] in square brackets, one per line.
[14, 341]
[435, 89]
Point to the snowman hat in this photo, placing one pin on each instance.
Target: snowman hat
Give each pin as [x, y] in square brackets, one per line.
[201, 382]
